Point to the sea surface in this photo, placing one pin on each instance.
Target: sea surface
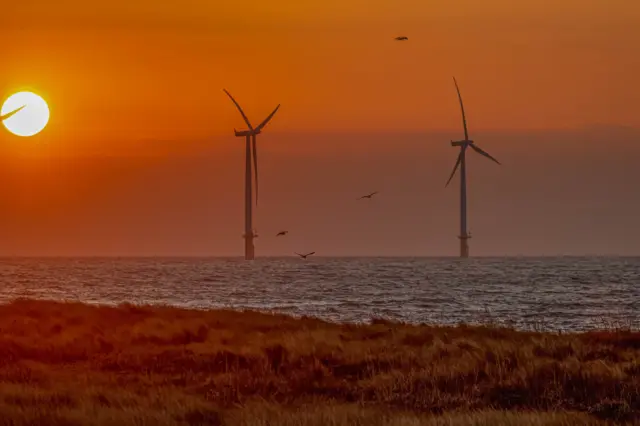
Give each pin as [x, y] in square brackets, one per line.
[564, 293]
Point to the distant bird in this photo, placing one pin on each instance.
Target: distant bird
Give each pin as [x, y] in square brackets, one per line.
[368, 196]
[402, 38]
[304, 256]
[282, 233]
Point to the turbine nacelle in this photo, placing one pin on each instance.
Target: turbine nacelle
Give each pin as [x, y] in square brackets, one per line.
[246, 132]
[461, 143]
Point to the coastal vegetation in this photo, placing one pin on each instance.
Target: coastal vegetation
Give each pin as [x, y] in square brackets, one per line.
[77, 364]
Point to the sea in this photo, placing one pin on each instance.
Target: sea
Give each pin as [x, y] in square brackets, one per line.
[552, 293]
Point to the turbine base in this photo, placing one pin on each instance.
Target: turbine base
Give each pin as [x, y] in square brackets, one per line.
[249, 249]
[464, 245]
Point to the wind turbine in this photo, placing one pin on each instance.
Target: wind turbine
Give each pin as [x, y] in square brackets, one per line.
[9, 114]
[250, 147]
[461, 162]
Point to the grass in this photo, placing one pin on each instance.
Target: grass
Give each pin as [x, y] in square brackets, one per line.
[75, 364]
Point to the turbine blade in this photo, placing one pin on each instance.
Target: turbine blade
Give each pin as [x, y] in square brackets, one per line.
[246, 120]
[266, 120]
[455, 168]
[255, 162]
[464, 117]
[9, 114]
[481, 152]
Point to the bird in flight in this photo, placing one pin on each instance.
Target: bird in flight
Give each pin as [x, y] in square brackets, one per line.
[368, 196]
[402, 38]
[304, 256]
[282, 233]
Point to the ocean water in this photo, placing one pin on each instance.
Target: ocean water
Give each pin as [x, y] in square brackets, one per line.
[565, 293]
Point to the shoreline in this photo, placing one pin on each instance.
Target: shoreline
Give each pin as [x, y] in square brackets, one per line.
[176, 366]
[483, 317]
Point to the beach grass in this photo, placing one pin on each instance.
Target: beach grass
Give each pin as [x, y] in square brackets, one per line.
[77, 364]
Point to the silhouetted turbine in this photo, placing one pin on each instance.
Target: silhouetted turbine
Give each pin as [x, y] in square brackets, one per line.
[251, 147]
[461, 162]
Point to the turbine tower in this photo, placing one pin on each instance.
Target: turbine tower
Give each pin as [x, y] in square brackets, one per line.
[462, 163]
[250, 147]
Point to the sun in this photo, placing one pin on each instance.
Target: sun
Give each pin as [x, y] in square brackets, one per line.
[24, 114]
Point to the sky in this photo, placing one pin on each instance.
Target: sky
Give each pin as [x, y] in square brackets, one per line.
[139, 157]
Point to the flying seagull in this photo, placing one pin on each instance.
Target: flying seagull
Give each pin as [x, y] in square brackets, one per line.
[282, 233]
[304, 256]
[402, 38]
[368, 196]
[9, 114]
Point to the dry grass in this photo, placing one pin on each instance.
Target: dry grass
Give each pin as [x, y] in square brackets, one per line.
[75, 364]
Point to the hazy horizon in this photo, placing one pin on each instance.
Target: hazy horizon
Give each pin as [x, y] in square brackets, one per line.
[557, 193]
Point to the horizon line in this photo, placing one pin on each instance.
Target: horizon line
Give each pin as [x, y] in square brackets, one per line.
[325, 256]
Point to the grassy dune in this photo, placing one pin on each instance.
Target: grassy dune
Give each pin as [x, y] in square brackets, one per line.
[75, 364]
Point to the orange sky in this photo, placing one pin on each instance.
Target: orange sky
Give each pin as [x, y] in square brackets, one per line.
[130, 78]
[155, 69]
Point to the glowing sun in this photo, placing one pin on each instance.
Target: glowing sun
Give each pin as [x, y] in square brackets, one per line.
[24, 114]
